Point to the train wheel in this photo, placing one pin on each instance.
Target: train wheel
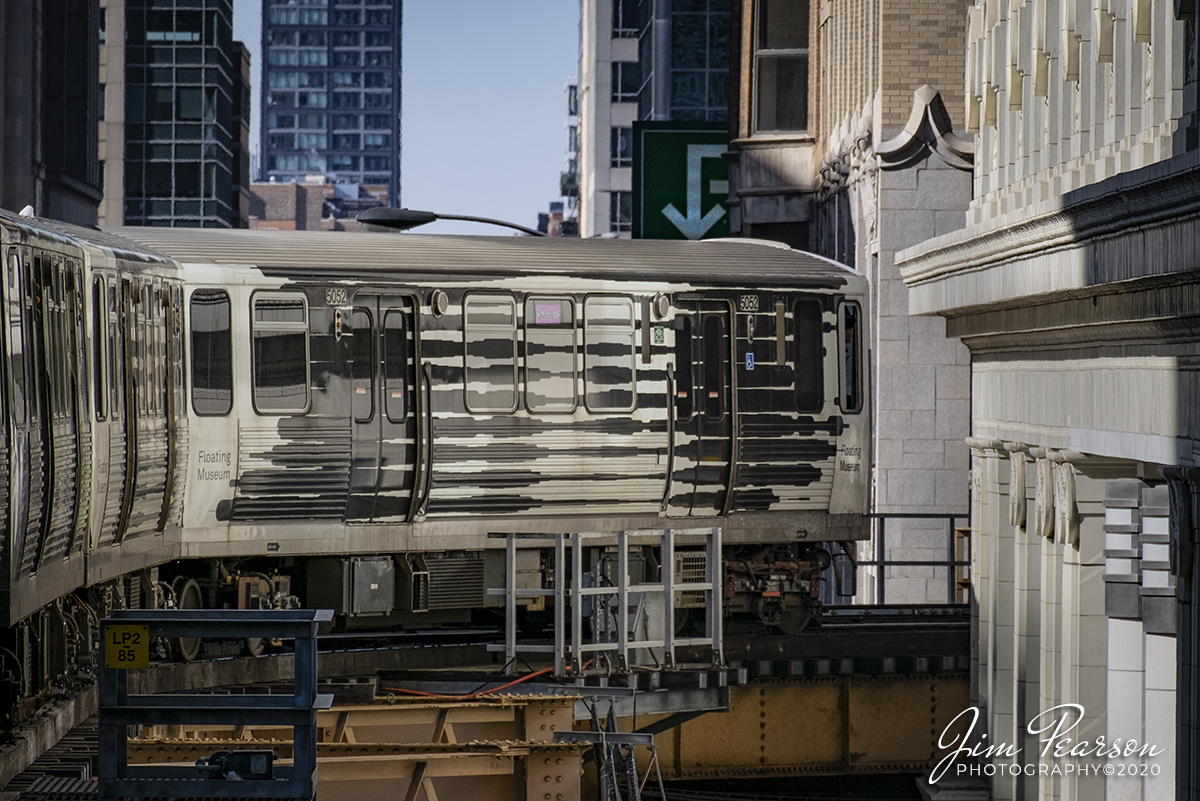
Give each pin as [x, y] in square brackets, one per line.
[187, 596]
[793, 621]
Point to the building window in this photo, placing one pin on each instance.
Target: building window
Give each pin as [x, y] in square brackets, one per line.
[620, 211]
[622, 147]
[626, 78]
[573, 101]
[625, 19]
[781, 65]
[572, 139]
[314, 58]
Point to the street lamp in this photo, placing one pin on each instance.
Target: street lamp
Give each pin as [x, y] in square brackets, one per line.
[404, 219]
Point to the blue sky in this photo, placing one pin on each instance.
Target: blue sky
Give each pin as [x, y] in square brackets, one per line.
[483, 106]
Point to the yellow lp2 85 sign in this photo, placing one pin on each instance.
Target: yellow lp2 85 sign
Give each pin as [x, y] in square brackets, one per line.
[127, 647]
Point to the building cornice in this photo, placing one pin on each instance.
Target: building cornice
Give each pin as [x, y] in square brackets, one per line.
[1135, 225]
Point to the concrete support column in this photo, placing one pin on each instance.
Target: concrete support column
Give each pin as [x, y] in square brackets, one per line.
[1001, 546]
[1026, 615]
[1088, 663]
[1049, 644]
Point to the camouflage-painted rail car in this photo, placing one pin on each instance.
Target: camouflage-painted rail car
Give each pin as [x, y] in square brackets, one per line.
[242, 418]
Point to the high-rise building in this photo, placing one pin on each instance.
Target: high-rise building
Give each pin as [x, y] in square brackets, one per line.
[568, 182]
[48, 105]
[331, 85]
[171, 74]
[642, 60]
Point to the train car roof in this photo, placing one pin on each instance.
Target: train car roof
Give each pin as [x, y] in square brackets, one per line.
[716, 261]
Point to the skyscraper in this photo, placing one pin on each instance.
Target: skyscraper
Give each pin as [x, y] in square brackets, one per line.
[331, 85]
[642, 60]
[171, 75]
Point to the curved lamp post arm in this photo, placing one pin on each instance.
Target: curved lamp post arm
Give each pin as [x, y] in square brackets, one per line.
[404, 219]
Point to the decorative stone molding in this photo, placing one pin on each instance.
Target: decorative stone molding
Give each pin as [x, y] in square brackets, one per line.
[929, 130]
[1066, 513]
[1016, 484]
[1043, 498]
[849, 156]
[1161, 195]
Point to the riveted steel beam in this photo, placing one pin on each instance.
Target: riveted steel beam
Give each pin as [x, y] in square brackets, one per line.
[827, 725]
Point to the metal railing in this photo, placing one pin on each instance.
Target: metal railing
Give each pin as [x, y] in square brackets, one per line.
[569, 593]
[957, 569]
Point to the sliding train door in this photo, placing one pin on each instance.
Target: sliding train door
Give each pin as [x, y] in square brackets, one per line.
[23, 446]
[55, 335]
[704, 410]
[383, 416]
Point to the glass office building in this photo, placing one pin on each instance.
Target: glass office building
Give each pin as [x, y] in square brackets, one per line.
[331, 91]
[179, 65]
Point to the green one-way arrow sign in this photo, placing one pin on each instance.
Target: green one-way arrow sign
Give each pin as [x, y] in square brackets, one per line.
[680, 181]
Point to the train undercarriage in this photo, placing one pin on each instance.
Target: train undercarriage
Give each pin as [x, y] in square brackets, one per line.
[56, 650]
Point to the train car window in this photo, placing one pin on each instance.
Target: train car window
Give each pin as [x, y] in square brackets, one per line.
[362, 366]
[79, 356]
[395, 362]
[715, 379]
[851, 361]
[116, 350]
[143, 351]
[212, 352]
[16, 338]
[685, 405]
[550, 355]
[280, 333]
[490, 331]
[608, 354]
[810, 357]
[98, 318]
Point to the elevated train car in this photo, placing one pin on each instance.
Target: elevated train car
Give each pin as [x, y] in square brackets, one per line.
[258, 418]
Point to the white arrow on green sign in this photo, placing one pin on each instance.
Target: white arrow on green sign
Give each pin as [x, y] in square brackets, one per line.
[694, 226]
[679, 166]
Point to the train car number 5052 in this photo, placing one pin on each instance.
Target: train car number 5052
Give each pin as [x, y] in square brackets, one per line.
[127, 647]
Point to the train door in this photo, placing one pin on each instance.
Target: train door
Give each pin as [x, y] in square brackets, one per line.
[382, 411]
[703, 407]
[54, 353]
[128, 366]
[20, 419]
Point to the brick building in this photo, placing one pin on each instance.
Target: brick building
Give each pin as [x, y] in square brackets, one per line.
[312, 206]
[843, 143]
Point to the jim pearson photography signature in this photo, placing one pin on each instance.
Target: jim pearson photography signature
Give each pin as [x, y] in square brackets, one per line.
[1056, 724]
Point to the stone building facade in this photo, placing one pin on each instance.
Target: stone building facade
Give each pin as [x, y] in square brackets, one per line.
[870, 163]
[1075, 286]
